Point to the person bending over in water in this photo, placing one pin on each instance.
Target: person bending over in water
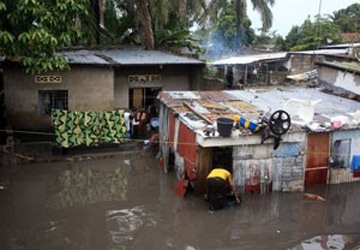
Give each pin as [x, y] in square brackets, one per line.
[218, 182]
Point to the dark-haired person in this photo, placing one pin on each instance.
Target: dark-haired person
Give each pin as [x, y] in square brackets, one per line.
[218, 182]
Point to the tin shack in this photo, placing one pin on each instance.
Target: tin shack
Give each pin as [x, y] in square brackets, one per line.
[191, 148]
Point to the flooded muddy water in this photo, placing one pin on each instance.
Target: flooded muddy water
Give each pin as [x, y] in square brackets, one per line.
[128, 203]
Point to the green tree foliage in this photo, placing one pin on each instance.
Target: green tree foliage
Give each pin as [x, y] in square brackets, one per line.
[224, 37]
[216, 9]
[348, 19]
[323, 30]
[32, 30]
[310, 35]
[155, 23]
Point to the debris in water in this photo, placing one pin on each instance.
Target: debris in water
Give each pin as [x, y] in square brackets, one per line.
[127, 162]
[313, 197]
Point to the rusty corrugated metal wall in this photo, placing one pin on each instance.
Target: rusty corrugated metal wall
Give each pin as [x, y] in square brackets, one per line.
[258, 168]
[187, 149]
[171, 129]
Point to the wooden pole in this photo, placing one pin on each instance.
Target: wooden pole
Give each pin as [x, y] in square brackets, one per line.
[245, 79]
[197, 113]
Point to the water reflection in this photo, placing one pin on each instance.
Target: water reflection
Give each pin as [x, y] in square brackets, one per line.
[123, 225]
[87, 186]
[39, 211]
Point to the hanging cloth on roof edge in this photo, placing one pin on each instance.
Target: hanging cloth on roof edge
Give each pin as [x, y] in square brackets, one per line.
[73, 128]
[355, 164]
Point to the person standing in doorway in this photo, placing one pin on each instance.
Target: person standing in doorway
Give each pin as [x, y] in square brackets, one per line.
[219, 181]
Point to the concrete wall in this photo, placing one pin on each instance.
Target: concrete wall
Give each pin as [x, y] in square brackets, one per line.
[344, 175]
[299, 63]
[268, 73]
[173, 77]
[278, 170]
[89, 88]
[327, 75]
[212, 84]
[339, 79]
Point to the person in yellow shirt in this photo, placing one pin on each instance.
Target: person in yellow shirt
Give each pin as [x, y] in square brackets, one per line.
[218, 182]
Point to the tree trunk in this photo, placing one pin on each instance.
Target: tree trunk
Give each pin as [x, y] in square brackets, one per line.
[239, 17]
[101, 12]
[147, 34]
[96, 8]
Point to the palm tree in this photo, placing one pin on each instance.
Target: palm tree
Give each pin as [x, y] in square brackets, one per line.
[261, 6]
[152, 17]
[144, 19]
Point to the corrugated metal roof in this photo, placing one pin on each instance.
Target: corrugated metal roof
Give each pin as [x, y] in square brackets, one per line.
[344, 45]
[267, 100]
[275, 98]
[322, 52]
[248, 59]
[125, 56]
[82, 57]
[138, 56]
[214, 96]
[346, 66]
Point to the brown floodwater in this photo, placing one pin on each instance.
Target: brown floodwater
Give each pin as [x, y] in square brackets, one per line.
[128, 203]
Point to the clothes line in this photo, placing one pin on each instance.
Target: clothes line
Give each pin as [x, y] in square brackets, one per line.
[74, 128]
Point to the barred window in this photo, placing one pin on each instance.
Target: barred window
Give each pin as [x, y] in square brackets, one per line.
[52, 99]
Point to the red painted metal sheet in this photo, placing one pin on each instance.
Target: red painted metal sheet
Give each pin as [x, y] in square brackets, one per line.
[317, 156]
[187, 149]
[253, 179]
[180, 187]
[171, 129]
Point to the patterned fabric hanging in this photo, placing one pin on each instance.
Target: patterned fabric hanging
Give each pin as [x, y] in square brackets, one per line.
[74, 128]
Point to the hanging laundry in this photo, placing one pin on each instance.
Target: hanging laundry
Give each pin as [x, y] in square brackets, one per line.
[114, 126]
[59, 122]
[74, 128]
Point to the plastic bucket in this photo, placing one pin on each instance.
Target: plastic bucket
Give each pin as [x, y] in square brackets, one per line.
[224, 126]
[154, 122]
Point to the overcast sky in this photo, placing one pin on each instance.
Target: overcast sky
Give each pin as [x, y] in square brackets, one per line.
[287, 13]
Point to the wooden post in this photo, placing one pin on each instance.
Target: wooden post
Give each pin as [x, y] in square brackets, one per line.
[245, 79]
[204, 166]
[197, 113]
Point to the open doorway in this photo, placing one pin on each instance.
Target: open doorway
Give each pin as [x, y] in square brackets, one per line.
[143, 97]
[222, 157]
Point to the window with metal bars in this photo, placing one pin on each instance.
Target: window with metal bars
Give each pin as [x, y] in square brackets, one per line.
[52, 99]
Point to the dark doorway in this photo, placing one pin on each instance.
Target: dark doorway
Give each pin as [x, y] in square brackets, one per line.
[143, 97]
[222, 157]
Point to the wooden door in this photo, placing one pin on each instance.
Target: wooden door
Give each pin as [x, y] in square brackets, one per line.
[138, 98]
[318, 151]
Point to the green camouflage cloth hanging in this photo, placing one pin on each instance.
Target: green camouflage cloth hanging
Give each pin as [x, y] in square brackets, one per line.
[74, 128]
[59, 122]
[114, 126]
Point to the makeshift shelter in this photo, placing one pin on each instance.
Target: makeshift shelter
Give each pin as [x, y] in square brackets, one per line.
[271, 68]
[189, 147]
[341, 74]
